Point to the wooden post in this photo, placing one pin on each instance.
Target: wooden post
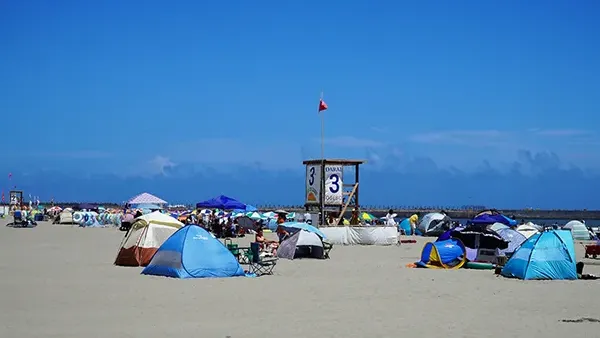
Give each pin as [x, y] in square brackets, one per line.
[346, 204]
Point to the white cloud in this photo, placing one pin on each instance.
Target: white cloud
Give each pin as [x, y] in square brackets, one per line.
[77, 154]
[464, 137]
[159, 163]
[277, 153]
[561, 132]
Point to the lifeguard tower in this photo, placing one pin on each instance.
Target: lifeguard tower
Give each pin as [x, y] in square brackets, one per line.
[15, 197]
[328, 189]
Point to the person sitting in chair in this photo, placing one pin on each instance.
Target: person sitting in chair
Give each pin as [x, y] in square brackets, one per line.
[265, 244]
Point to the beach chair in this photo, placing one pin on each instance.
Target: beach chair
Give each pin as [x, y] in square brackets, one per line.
[18, 219]
[259, 265]
[326, 248]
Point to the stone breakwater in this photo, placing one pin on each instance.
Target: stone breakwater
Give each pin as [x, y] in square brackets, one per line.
[517, 214]
[528, 214]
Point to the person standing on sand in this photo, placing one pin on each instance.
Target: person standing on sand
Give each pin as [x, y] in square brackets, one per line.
[282, 234]
[389, 219]
[413, 223]
[307, 218]
[354, 219]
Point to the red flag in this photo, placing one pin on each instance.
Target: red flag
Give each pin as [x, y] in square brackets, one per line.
[322, 105]
[2, 195]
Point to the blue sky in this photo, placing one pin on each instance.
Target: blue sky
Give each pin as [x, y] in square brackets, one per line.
[452, 103]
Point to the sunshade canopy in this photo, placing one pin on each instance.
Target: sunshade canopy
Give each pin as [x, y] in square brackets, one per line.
[146, 198]
[221, 202]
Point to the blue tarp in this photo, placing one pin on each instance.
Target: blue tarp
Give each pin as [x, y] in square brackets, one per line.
[546, 255]
[192, 252]
[250, 208]
[221, 202]
[304, 226]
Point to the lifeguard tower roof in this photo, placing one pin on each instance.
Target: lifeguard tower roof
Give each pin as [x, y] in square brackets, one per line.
[338, 161]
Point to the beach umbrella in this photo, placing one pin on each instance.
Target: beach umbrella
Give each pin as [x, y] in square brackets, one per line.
[366, 216]
[246, 223]
[270, 214]
[254, 215]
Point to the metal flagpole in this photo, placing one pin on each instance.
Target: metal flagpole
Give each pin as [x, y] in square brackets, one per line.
[322, 161]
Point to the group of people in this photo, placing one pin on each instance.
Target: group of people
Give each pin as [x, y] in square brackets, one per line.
[228, 227]
[388, 220]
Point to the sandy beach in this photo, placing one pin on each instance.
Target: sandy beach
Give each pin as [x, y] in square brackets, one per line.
[59, 281]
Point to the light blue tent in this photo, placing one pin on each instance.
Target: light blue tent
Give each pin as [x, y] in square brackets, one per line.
[305, 227]
[405, 225]
[272, 224]
[192, 252]
[546, 255]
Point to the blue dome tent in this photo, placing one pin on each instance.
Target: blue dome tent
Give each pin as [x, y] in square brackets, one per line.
[546, 255]
[192, 252]
[447, 254]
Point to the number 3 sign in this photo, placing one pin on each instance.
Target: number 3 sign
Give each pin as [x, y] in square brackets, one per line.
[333, 184]
[313, 184]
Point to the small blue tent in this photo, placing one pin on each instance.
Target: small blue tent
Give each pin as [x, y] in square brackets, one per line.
[192, 252]
[448, 254]
[405, 225]
[546, 255]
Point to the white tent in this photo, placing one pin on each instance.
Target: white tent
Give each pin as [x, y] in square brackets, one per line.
[579, 231]
[528, 229]
[434, 224]
[147, 234]
[302, 244]
[498, 226]
[66, 217]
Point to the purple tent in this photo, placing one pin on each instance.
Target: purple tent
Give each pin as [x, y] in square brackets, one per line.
[491, 219]
[221, 202]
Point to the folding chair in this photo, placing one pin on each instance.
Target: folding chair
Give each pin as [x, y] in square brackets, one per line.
[326, 248]
[18, 219]
[258, 265]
